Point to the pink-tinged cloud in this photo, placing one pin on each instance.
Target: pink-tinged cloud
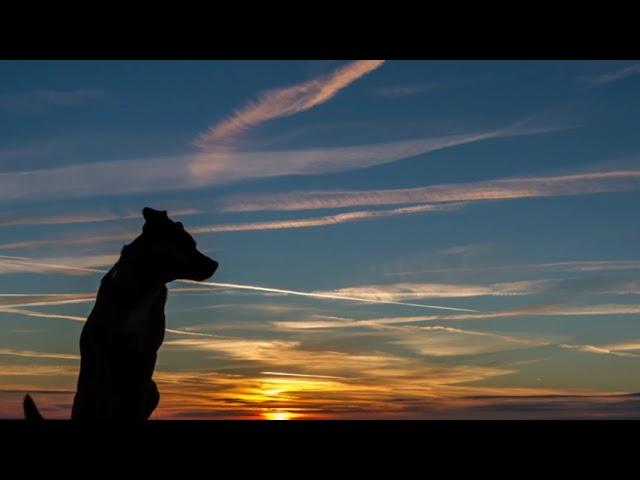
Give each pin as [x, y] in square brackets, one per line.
[283, 102]
[210, 168]
[325, 322]
[398, 292]
[224, 165]
[502, 189]
[573, 266]
[28, 218]
[323, 221]
[10, 265]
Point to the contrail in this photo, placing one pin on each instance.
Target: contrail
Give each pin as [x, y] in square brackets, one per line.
[75, 318]
[50, 265]
[276, 290]
[323, 295]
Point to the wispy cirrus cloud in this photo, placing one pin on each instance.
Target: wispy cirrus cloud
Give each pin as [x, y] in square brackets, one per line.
[571, 266]
[34, 354]
[19, 300]
[451, 196]
[36, 370]
[600, 349]
[325, 220]
[39, 100]
[614, 75]
[502, 189]
[192, 171]
[414, 291]
[223, 166]
[328, 322]
[104, 178]
[78, 265]
[309, 222]
[30, 218]
[283, 102]
[294, 355]
[439, 341]
[406, 291]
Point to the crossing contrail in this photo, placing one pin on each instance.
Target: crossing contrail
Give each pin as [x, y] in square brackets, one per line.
[256, 288]
[323, 295]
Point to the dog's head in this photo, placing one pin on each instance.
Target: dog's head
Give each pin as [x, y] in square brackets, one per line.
[169, 252]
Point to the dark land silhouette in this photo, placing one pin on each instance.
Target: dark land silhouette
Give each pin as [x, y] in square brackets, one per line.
[122, 335]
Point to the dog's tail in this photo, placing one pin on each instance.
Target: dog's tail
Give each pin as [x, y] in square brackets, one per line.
[30, 410]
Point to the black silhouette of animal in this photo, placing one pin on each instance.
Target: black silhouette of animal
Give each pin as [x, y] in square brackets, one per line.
[120, 340]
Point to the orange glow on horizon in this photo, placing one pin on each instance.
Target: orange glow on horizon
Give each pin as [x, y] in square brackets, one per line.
[279, 416]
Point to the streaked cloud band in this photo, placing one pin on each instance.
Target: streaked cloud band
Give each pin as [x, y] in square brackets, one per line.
[502, 189]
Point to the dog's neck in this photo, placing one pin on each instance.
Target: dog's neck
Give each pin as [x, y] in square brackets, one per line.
[131, 280]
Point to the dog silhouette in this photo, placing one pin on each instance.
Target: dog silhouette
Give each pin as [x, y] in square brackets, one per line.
[122, 335]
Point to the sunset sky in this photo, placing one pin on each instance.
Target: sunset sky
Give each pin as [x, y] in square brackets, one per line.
[396, 239]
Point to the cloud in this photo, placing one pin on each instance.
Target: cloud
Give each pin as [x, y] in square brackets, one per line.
[34, 314]
[450, 196]
[40, 100]
[223, 166]
[323, 295]
[26, 218]
[73, 239]
[574, 266]
[8, 263]
[598, 349]
[436, 341]
[576, 184]
[404, 291]
[324, 220]
[394, 91]
[283, 102]
[614, 75]
[331, 368]
[397, 292]
[624, 346]
[216, 395]
[107, 178]
[620, 349]
[32, 354]
[13, 301]
[254, 288]
[36, 370]
[325, 322]
[193, 171]
[285, 374]
[439, 341]
[68, 265]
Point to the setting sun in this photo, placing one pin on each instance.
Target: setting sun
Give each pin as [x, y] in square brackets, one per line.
[279, 416]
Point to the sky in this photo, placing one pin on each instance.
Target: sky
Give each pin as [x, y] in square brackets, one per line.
[396, 239]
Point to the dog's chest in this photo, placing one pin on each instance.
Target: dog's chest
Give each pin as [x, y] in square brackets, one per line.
[146, 321]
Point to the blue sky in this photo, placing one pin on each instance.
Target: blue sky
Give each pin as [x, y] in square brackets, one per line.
[505, 188]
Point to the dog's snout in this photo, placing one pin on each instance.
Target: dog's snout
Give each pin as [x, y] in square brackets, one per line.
[206, 268]
[211, 267]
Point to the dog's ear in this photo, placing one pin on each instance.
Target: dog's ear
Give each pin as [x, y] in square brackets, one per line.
[151, 215]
